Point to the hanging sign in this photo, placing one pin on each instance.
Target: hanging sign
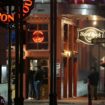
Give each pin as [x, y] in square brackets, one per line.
[98, 40]
[87, 34]
[38, 36]
[27, 6]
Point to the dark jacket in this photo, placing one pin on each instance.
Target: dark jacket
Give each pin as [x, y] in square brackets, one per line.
[94, 78]
[31, 76]
[38, 75]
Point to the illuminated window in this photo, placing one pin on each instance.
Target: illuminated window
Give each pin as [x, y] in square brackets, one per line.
[32, 44]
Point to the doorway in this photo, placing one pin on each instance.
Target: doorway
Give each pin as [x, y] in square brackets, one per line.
[34, 63]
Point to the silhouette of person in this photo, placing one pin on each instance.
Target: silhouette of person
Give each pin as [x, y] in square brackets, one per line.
[31, 85]
[38, 78]
[93, 82]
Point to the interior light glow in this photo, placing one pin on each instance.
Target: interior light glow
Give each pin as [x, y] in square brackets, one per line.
[94, 17]
[66, 53]
[94, 23]
[84, 12]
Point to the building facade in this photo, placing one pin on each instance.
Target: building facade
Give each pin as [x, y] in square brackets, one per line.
[66, 52]
[74, 58]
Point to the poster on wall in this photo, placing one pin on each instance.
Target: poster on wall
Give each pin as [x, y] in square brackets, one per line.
[57, 69]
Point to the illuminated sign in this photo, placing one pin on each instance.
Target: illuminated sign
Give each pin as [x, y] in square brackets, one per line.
[38, 36]
[87, 34]
[98, 40]
[27, 6]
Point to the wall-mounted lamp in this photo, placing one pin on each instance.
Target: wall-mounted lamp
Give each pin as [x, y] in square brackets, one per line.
[66, 53]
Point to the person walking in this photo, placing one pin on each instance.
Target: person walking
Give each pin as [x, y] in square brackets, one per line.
[38, 78]
[93, 83]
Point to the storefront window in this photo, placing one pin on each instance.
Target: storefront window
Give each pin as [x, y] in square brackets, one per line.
[34, 63]
[4, 73]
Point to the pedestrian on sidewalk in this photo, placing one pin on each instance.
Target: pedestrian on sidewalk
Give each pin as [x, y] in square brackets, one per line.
[93, 79]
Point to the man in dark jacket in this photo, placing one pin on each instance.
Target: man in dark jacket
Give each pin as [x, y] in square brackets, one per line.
[93, 82]
[38, 78]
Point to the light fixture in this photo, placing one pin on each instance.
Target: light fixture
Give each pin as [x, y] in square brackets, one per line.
[94, 22]
[66, 53]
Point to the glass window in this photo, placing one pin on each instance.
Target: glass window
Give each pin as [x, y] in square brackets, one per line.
[34, 67]
[34, 63]
[32, 26]
[43, 26]
[31, 44]
[4, 77]
[65, 32]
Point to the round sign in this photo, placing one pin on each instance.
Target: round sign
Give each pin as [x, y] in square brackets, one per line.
[38, 36]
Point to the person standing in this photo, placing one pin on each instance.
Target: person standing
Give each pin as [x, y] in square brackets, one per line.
[93, 82]
[38, 78]
[30, 86]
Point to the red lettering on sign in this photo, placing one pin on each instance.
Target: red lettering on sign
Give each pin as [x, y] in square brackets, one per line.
[6, 18]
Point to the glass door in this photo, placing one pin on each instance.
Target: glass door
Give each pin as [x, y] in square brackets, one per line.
[34, 64]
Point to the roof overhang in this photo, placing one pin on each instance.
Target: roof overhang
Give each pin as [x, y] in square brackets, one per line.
[85, 9]
[70, 9]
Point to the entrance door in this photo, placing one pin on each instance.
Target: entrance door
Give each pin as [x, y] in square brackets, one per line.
[69, 61]
[34, 63]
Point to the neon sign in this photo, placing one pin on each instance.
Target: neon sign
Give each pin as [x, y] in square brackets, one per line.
[27, 6]
[38, 36]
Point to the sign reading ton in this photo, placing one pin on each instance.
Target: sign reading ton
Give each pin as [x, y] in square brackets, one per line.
[27, 6]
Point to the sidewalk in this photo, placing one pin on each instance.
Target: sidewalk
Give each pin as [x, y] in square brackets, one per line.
[71, 101]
